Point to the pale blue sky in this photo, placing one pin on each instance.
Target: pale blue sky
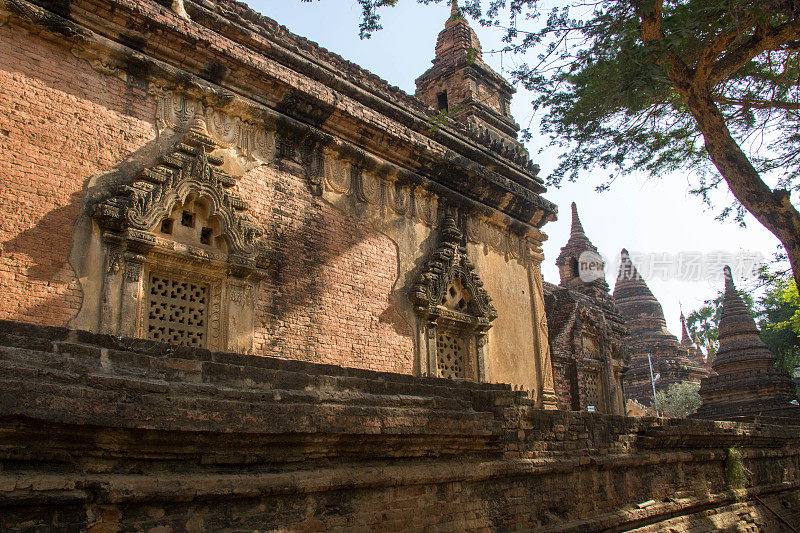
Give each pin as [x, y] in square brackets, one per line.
[643, 215]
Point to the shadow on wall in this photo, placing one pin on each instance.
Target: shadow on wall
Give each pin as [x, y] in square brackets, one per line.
[306, 258]
[46, 243]
[300, 254]
[42, 242]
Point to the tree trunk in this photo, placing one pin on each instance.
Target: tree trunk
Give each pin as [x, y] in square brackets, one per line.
[771, 208]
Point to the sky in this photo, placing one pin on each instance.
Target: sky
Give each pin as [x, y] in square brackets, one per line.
[657, 220]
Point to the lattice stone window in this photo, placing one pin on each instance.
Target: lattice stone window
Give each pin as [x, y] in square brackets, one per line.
[177, 311]
[594, 390]
[451, 351]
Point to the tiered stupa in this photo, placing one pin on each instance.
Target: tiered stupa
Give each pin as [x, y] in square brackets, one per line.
[747, 382]
[644, 318]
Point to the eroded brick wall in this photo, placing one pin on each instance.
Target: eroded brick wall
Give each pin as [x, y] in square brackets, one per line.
[328, 294]
[112, 433]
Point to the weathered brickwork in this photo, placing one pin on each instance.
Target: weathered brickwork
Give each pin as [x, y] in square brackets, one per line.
[100, 433]
[305, 200]
[318, 258]
[61, 125]
[329, 299]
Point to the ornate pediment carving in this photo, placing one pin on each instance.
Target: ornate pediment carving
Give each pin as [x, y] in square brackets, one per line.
[190, 171]
[449, 290]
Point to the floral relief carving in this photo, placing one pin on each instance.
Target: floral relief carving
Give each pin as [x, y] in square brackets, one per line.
[499, 239]
[176, 111]
[370, 188]
[398, 197]
[337, 175]
[425, 206]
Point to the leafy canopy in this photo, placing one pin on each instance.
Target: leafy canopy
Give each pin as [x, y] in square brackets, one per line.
[680, 400]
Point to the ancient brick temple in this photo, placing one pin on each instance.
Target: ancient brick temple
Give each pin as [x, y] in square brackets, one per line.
[201, 176]
[586, 332]
[644, 317]
[248, 285]
[747, 382]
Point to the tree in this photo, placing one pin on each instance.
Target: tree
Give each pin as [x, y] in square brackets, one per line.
[666, 85]
[680, 400]
[779, 317]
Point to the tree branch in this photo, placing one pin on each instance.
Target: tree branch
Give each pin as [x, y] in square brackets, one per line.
[757, 103]
[709, 56]
[763, 40]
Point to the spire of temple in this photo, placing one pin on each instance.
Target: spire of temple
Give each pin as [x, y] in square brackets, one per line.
[579, 253]
[459, 81]
[686, 339]
[634, 298]
[457, 39]
[577, 227]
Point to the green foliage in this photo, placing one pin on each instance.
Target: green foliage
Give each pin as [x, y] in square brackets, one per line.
[472, 55]
[444, 117]
[779, 319]
[735, 472]
[680, 400]
[612, 102]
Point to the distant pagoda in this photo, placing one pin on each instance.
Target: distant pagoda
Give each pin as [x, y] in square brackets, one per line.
[689, 344]
[747, 382]
[644, 318]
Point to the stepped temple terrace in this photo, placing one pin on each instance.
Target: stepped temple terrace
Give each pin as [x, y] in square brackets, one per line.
[247, 286]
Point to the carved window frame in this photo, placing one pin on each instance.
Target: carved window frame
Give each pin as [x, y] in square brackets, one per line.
[470, 322]
[135, 247]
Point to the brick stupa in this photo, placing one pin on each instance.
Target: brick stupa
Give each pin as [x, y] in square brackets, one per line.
[644, 318]
[747, 382]
[586, 332]
[689, 344]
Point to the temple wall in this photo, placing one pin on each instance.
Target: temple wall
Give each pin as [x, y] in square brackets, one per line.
[340, 263]
[511, 346]
[126, 434]
[62, 125]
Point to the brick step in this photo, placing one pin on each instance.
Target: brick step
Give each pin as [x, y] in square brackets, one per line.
[17, 363]
[143, 407]
[73, 360]
[54, 374]
[85, 352]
